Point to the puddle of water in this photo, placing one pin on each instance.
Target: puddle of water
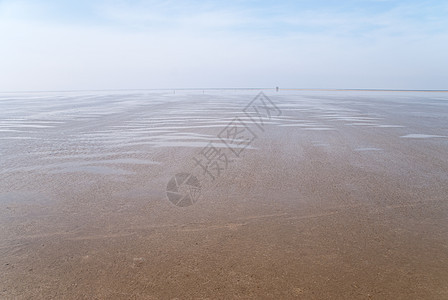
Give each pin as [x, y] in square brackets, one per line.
[360, 124]
[304, 125]
[28, 126]
[52, 156]
[93, 170]
[422, 136]
[191, 144]
[389, 126]
[320, 129]
[18, 138]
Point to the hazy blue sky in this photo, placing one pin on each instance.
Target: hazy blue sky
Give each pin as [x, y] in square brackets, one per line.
[60, 45]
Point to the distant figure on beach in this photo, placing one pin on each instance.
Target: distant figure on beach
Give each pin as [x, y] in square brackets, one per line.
[276, 89]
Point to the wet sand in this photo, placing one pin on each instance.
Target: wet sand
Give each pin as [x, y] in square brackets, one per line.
[342, 196]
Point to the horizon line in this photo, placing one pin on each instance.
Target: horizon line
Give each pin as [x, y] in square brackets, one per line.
[231, 88]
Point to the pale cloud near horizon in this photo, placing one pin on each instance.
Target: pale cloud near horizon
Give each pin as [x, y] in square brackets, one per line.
[46, 45]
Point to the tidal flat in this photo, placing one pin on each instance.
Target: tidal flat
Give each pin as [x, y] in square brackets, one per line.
[325, 195]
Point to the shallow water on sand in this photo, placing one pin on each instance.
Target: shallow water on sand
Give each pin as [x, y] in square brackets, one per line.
[333, 195]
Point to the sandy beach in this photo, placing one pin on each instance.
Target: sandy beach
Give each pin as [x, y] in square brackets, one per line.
[328, 195]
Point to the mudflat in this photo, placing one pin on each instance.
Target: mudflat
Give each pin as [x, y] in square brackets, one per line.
[222, 194]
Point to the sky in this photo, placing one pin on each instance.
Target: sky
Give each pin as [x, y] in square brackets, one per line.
[52, 45]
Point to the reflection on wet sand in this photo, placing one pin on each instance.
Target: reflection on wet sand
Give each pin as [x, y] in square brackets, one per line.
[342, 196]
